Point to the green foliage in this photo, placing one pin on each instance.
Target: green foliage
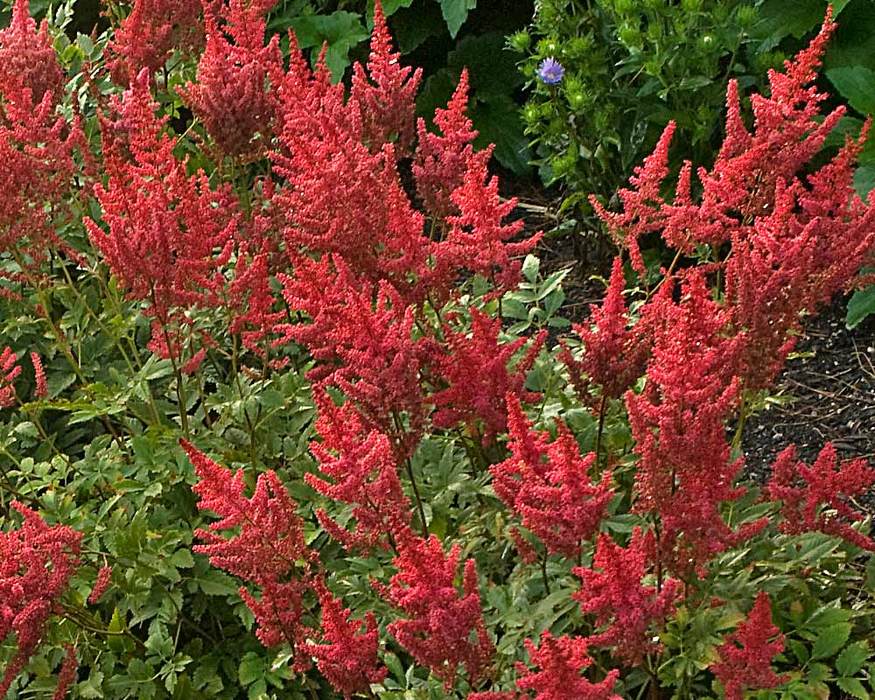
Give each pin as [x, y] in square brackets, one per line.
[630, 68]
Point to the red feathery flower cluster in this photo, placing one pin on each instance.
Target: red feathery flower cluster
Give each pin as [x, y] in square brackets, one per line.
[386, 92]
[169, 233]
[232, 94]
[442, 159]
[614, 354]
[820, 502]
[548, 485]
[39, 373]
[101, 585]
[28, 65]
[475, 368]
[363, 470]
[685, 471]
[36, 563]
[746, 656]
[348, 657]
[362, 336]
[618, 599]
[9, 371]
[150, 33]
[445, 628]
[268, 550]
[561, 661]
[67, 674]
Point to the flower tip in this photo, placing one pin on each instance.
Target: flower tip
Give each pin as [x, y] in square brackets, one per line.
[551, 71]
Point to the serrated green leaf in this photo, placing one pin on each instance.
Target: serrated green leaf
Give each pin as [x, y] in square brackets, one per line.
[857, 85]
[830, 640]
[853, 687]
[852, 658]
[861, 304]
[251, 669]
[455, 13]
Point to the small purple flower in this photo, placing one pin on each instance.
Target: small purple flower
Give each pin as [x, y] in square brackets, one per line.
[551, 71]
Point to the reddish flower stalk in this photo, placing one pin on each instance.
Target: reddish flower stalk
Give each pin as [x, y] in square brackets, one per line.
[625, 607]
[561, 661]
[475, 368]
[363, 470]
[815, 498]
[67, 674]
[348, 656]
[444, 628]
[169, 233]
[267, 550]
[37, 561]
[386, 93]
[101, 585]
[9, 371]
[746, 656]
[42, 388]
[442, 159]
[232, 95]
[548, 485]
[29, 69]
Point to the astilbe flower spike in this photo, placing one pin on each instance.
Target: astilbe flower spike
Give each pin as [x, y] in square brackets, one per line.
[169, 232]
[101, 585]
[42, 388]
[619, 600]
[444, 627]
[685, 471]
[149, 34]
[386, 93]
[67, 674]
[475, 369]
[362, 466]
[560, 661]
[548, 485]
[361, 337]
[614, 354]
[348, 656]
[9, 371]
[267, 551]
[37, 561]
[815, 498]
[28, 60]
[746, 656]
[231, 95]
[441, 160]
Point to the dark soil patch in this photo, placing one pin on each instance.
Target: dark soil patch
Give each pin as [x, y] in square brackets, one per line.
[826, 393]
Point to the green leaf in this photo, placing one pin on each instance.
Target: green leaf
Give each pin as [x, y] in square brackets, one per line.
[861, 305]
[455, 13]
[853, 687]
[857, 86]
[852, 658]
[340, 30]
[251, 669]
[864, 179]
[830, 640]
[499, 122]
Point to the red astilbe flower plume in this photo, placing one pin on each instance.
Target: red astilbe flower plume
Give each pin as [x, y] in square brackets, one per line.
[348, 656]
[27, 59]
[685, 472]
[67, 674]
[37, 561]
[620, 601]
[150, 33]
[475, 368]
[232, 93]
[101, 585]
[479, 240]
[169, 233]
[441, 160]
[746, 656]
[614, 354]
[9, 371]
[41, 390]
[444, 628]
[362, 466]
[386, 92]
[548, 485]
[561, 661]
[361, 336]
[267, 550]
[816, 498]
